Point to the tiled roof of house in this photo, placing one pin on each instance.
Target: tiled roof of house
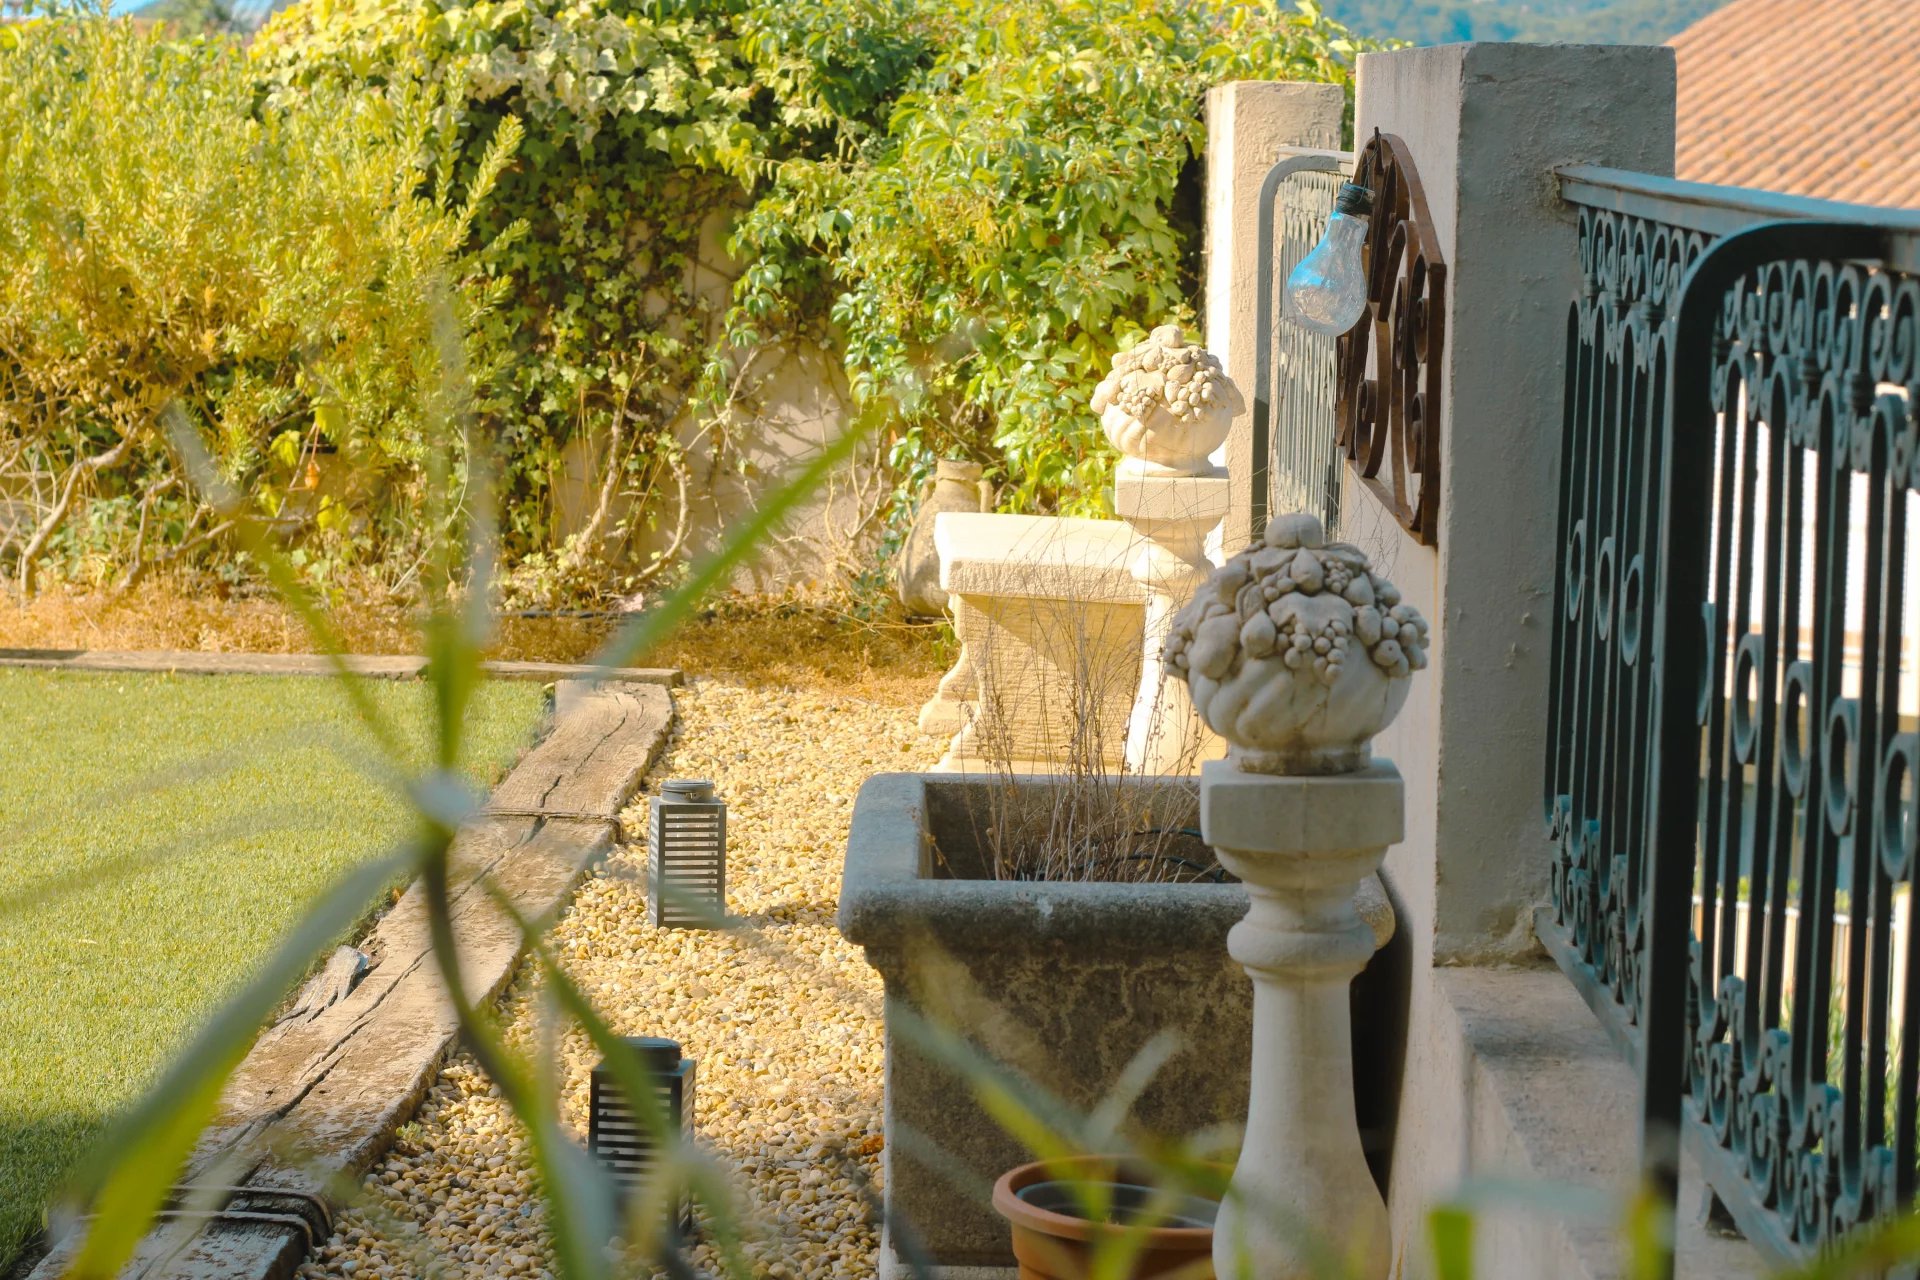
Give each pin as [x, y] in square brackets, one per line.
[1812, 97]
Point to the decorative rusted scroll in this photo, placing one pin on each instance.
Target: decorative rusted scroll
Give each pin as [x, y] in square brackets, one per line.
[1389, 380]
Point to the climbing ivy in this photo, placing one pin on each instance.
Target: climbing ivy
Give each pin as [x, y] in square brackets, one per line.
[648, 126]
[1031, 205]
[974, 203]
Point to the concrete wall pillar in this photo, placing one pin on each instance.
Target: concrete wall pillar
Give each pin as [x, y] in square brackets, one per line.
[1487, 125]
[1248, 121]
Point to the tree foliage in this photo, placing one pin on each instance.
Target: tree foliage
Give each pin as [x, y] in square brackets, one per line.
[974, 204]
[290, 280]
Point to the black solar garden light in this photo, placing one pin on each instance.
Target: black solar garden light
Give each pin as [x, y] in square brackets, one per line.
[621, 1139]
[687, 866]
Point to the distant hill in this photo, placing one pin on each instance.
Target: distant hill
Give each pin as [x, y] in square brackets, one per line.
[235, 17]
[1577, 21]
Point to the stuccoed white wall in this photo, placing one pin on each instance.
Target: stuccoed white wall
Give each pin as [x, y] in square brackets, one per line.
[796, 404]
[1487, 124]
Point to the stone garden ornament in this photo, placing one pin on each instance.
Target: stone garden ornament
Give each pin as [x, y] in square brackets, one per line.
[1297, 654]
[1167, 405]
[957, 486]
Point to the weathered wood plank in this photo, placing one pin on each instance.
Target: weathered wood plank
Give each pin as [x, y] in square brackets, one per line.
[377, 666]
[188, 663]
[587, 765]
[317, 1099]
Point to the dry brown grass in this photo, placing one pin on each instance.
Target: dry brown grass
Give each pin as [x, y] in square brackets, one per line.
[797, 644]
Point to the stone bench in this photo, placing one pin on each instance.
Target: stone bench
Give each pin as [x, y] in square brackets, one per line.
[1050, 620]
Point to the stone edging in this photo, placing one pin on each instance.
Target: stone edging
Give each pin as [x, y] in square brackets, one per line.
[315, 1103]
[379, 666]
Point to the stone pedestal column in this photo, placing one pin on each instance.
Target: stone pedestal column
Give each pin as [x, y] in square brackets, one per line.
[1302, 846]
[1248, 123]
[1165, 406]
[1298, 653]
[1173, 515]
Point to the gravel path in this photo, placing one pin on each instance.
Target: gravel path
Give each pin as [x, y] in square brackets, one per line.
[783, 1016]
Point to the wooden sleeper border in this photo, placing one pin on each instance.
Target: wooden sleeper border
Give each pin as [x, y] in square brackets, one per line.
[374, 666]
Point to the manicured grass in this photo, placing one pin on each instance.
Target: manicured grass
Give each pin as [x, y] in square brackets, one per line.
[157, 835]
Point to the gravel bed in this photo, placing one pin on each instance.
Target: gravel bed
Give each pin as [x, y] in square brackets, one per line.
[782, 1017]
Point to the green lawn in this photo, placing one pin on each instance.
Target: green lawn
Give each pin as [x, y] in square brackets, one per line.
[157, 834]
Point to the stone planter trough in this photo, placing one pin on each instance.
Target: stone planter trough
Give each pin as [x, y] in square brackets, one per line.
[1063, 983]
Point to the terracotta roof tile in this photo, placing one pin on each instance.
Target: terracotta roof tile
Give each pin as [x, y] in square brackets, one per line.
[1811, 97]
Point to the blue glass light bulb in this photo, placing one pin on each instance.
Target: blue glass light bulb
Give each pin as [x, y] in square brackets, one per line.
[1327, 292]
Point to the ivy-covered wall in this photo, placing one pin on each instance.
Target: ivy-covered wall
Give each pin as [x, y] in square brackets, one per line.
[695, 237]
[968, 206]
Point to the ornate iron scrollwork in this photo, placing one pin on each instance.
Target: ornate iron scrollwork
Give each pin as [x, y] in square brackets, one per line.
[1802, 1027]
[1619, 344]
[1733, 773]
[1389, 364]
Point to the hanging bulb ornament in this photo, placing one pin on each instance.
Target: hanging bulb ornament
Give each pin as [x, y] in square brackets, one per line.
[1327, 292]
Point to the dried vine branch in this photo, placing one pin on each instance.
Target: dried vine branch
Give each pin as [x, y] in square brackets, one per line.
[83, 470]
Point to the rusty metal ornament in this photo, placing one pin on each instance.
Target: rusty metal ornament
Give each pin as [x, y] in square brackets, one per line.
[1388, 410]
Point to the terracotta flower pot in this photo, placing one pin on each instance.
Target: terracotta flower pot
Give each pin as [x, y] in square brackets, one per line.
[1054, 1240]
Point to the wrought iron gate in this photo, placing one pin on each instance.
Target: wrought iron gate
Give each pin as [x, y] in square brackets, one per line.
[1296, 462]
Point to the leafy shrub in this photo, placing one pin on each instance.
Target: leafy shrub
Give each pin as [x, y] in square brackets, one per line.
[975, 204]
[1030, 207]
[278, 275]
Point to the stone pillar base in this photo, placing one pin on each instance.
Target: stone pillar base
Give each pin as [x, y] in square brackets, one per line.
[1302, 846]
[1173, 515]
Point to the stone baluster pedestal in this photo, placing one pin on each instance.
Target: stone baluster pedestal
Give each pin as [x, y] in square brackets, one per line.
[1302, 845]
[1298, 653]
[1173, 514]
[1165, 406]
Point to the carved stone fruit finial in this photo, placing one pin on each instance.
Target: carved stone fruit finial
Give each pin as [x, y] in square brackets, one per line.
[1296, 652]
[1167, 403]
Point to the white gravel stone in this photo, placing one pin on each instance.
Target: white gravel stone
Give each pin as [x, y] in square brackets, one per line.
[781, 1014]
